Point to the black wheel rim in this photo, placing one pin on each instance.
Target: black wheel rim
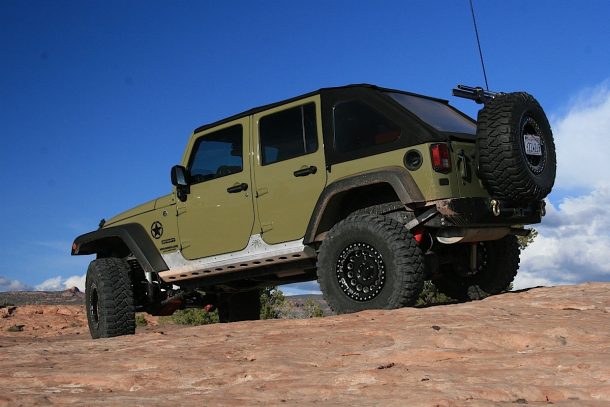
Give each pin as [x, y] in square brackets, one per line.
[94, 306]
[360, 272]
[530, 131]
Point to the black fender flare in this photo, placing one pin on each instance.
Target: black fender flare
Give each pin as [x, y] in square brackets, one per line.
[134, 238]
[398, 178]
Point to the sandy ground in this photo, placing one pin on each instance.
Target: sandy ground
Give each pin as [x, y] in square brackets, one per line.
[538, 347]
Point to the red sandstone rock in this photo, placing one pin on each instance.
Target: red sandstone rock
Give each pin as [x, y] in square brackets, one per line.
[542, 346]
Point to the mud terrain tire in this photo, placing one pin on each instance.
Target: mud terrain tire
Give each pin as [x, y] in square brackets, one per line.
[505, 168]
[109, 299]
[395, 210]
[369, 262]
[499, 270]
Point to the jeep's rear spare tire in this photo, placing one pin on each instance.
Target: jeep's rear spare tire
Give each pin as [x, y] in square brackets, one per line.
[109, 299]
[369, 262]
[516, 152]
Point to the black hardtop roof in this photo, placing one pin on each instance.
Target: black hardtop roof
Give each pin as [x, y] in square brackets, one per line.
[306, 95]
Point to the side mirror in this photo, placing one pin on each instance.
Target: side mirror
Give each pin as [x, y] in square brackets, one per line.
[179, 178]
[180, 181]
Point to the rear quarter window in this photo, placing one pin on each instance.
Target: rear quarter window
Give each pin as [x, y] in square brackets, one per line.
[358, 126]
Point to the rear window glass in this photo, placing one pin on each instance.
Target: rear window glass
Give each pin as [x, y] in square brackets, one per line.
[439, 115]
[359, 126]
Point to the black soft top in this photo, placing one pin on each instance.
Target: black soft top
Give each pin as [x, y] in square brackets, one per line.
[416, 129]
[324, 92]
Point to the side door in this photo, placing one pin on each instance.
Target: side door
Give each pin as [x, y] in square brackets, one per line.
[218, 214]
[289, 168]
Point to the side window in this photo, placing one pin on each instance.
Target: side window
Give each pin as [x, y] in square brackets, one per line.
[217, 154]
[288, 134]
[358, 126]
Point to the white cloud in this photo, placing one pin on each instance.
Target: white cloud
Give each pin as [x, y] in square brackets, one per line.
[52, 284]
[573, 246]
[13, 285]
[573, 242]
[76, 281]
[60, 283]
[582, 139]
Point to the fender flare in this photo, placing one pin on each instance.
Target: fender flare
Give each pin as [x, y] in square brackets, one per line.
[398, 178]
[133, 236]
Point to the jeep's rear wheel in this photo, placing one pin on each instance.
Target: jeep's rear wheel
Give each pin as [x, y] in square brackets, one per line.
[109, 299]
[499, 262]
[516, 152]
[244, 306]
[369, 262]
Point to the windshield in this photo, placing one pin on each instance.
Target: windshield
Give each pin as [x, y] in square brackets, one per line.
[436, 114]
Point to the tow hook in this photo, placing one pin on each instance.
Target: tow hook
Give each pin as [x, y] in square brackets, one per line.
[495, 207]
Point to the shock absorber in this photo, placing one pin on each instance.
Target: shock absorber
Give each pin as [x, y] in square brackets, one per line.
[473, 258]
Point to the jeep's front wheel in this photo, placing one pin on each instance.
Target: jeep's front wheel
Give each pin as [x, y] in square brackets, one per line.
[109, 299]
[369, 262]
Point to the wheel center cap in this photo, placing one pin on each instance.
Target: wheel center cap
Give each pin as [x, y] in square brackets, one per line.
[360, 271]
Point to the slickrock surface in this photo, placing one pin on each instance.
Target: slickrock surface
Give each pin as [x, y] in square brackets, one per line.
[537, 347]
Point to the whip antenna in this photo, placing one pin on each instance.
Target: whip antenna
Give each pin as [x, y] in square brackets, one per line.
[476, 31]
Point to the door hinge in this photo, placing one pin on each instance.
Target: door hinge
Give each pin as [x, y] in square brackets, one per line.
[185, 243]
[180, 210]
[265, 227]
[261, 191]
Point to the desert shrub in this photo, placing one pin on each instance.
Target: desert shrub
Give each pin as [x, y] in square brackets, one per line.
[430, 295]
[141, 320]
[194, 316]
[15, 328]
[524, 241]
[274, 305]
[312, 309]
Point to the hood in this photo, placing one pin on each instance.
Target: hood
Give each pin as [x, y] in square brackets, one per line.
[138, 210]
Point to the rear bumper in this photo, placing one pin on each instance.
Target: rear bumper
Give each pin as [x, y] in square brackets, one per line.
[485, 212]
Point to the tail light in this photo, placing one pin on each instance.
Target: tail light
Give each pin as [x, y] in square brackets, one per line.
[441, 160]
[418, 235]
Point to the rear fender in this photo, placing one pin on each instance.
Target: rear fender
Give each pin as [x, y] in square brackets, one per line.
[328, 210]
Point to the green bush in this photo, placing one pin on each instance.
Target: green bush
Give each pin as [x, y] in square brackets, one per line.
[15, 328]
[194, 316]
[430, 295]
[141, 320]
[525, 241]
[312, 309]
[274, 305]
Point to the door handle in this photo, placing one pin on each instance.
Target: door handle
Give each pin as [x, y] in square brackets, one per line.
[237, 188]
[305, 171]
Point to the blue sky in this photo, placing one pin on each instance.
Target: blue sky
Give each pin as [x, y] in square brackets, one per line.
[97, 100]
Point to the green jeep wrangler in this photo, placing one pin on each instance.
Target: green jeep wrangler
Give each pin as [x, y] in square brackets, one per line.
[371, 191]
